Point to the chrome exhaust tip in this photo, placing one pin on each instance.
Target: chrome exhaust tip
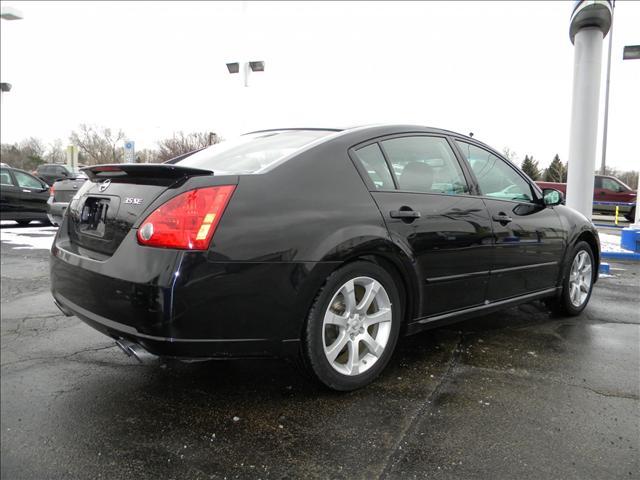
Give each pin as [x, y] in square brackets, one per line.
[134, 350]
[66, 312]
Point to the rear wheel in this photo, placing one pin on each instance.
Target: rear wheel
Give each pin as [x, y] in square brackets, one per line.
[577, 283]
[631, 214]
[352, 327]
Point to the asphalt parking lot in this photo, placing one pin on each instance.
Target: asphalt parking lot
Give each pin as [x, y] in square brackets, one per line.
[517, 394]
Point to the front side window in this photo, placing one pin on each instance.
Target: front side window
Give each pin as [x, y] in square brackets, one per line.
[27, 181]
[495, 177]
[373, 163]
[253, 153]
[425, 164]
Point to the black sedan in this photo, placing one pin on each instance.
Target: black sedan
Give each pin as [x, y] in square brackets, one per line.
[23, 197]
[320, 244]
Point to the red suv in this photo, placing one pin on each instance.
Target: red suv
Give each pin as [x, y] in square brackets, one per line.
[605, 189]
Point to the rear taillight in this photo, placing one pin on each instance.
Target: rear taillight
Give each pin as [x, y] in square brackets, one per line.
[52, 191]
[187, 221]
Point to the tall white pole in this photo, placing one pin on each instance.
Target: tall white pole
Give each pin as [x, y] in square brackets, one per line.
[590, 23]
[605, 127]
[584, 119]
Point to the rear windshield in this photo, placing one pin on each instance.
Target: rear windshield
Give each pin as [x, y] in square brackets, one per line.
[252, 153]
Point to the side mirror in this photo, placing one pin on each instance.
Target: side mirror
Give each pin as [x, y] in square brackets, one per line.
[551, 197]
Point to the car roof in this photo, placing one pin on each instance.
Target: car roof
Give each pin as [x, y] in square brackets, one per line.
[375, 128]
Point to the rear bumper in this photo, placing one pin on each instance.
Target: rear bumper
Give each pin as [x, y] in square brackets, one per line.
[55, 211]
[182, 304]
[181, 347]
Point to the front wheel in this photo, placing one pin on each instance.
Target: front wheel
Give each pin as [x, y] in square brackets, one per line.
[352, 327]
[577, 283]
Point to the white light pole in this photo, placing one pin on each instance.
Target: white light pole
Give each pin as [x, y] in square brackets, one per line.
[255, 66]
[605, 127]
[9, 13]
[590, 23]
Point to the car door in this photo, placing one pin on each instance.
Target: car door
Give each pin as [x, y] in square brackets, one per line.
[9, 197]
[32, 193]
[529, 238]
[425, 200]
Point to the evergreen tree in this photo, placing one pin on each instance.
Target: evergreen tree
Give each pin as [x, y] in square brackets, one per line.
[530, 167]
[556, 171]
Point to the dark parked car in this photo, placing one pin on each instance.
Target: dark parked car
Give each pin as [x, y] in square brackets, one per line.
[23, 197]
[50, 172]
[61, 193]
[320, 244]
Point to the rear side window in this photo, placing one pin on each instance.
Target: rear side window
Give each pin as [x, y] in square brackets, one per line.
[373, 162]
[5, 178]
[495, 177]
[425, 164]
[253, 153]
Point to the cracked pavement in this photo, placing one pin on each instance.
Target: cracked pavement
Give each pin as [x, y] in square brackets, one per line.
[516, 394]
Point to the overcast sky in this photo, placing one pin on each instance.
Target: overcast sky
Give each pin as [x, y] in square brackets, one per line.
[502, 70]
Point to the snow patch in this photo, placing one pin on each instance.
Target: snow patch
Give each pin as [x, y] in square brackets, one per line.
[28, 238]
[611, 243]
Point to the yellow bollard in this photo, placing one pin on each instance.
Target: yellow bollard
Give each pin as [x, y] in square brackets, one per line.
[617, 211]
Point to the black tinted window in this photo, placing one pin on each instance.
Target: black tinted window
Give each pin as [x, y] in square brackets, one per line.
[373, 162]
[495, 177]
[425, 164]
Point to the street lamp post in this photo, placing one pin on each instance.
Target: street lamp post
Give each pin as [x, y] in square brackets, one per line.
[254, 66]
[605, 127]
[9, 13]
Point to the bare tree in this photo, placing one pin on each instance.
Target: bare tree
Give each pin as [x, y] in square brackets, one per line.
[147, 155]
[182, 143]
[27, 154]
[32, 147]
[99, 144]
[510, 155]
[55, 152]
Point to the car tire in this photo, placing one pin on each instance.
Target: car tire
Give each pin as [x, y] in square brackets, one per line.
[631, 215]
[352, 327]
[577, 282]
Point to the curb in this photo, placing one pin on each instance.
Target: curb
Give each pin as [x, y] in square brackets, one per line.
[621, 255]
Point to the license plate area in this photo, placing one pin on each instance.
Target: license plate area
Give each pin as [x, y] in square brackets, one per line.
[93, 217]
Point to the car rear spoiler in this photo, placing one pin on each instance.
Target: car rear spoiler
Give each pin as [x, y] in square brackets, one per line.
[163, 171]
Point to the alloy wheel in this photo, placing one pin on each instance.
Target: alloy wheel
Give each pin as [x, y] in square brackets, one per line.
[580, 278]
[357, 326]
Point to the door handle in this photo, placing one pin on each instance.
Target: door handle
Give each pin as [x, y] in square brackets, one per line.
[405, 214]
[502, 218]
[26, 191]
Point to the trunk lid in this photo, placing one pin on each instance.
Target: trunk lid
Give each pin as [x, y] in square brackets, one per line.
[64, 190]
[114, 198]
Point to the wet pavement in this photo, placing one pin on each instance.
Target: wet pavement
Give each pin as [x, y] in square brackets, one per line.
[517, 394]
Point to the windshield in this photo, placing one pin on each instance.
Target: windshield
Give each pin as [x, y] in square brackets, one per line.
[252, 153]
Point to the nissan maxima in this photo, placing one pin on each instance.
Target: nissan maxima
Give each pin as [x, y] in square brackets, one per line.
[319, 244]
